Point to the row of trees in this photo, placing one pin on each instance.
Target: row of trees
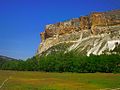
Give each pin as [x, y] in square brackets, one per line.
[68, 62]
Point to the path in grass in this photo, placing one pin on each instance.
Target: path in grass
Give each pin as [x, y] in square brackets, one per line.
[3, 83]
[60, 81]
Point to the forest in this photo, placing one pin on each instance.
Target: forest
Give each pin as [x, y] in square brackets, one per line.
[66, 62]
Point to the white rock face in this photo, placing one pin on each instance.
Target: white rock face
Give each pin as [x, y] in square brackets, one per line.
[112, 44]
[98, 44]
[92, 44]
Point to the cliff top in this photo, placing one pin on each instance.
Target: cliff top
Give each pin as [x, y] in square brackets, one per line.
[82, 23]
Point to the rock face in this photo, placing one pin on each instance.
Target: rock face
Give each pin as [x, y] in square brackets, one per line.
[42, 35]
[77, 29]
[85, 23]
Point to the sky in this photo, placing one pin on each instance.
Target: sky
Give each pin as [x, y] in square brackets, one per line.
[21, 21]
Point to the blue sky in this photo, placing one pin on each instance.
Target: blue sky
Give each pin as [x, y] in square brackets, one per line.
[21, 21]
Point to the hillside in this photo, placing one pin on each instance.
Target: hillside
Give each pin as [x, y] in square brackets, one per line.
[97, 33]
[6, 58]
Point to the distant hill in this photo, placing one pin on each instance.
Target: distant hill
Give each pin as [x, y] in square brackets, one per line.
[6, 58]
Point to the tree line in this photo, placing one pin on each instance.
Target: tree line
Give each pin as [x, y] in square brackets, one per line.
[66, 62]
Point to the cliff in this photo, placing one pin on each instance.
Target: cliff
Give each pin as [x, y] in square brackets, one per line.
[75, 30]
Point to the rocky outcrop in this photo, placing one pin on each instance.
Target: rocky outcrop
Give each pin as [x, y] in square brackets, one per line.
[85, 23]
[42, 36]
[104, 19]
[96, 23]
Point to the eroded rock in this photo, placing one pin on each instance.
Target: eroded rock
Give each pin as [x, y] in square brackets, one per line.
[96, 23]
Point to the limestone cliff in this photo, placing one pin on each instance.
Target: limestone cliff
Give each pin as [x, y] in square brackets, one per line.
[85, 32]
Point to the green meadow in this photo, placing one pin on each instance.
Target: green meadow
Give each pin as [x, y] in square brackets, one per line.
[25, 80]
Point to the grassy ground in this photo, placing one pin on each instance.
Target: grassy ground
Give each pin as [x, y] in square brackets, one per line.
[58, 81]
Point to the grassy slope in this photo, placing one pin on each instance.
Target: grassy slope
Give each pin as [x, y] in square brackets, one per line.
[58, 81]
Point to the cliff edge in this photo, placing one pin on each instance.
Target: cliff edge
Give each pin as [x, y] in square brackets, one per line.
[93, 34]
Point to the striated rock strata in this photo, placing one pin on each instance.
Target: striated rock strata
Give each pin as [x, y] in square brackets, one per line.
[86, 32]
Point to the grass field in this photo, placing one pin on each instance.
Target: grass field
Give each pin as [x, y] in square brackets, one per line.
[58, 81]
